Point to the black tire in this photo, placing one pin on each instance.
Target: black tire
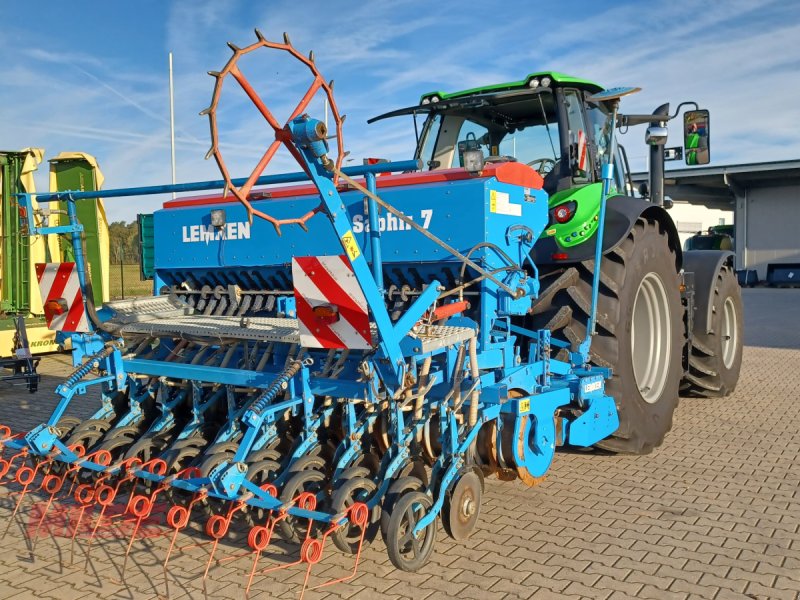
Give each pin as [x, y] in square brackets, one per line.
[88, 433]
[716, 356]
[402, 485]
[66, 425]
[352, 489]
[291, 528]
[406, 552]
[117, 441]
[643, 260]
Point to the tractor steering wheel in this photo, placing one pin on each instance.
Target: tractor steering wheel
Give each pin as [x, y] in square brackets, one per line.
[542, 165]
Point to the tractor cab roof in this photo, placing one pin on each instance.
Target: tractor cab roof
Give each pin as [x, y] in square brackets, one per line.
[486, 95]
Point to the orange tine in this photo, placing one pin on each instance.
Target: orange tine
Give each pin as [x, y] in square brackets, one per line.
[272, 491]
[52, 484]
[141, 506]
[129, 465]
[178, 519]
[104, 496]
[24, 476]
[306, 501]
[358, 514]
[6, 464]
[216, 527]
[258, 539]
[84, 496]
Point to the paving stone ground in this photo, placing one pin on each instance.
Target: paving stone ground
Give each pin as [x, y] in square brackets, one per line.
[713, 513]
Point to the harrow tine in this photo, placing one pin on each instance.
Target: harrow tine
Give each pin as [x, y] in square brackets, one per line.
[104, 496]
[217, 527]
[272, 491]
[306, 501]
[178, 519]
[6, 464]
[358, 514]
[141, 506]
[84, 496]
[25, 476]
[52, 484]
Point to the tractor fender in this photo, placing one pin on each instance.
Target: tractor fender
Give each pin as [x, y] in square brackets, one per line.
[705, 264]
[621, 215]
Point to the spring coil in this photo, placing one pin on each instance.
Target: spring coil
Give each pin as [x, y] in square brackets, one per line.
[86, 367]
[276, 387]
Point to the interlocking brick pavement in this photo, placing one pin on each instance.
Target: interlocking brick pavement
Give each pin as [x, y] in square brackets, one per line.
[713, 513]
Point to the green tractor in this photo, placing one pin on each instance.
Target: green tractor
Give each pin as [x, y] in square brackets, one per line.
[668, 321]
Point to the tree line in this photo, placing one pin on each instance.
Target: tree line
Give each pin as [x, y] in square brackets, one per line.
[124, 242]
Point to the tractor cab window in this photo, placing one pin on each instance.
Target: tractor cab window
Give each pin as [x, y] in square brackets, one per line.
[519, 127]
[577, 137]
[600, 122]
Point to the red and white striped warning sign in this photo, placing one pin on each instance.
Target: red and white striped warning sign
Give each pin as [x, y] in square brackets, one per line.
[331, 308]
[62, 297]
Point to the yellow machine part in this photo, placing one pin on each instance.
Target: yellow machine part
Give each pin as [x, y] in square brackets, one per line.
[46, 249]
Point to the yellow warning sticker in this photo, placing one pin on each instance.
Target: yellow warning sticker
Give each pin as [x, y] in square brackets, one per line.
[524, 406]
[351, 245]
[493, 201]
[551, 231]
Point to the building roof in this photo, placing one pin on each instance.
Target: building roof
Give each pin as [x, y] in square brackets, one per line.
[714, 186]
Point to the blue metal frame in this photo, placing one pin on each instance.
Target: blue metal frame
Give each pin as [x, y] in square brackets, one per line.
[496, 224]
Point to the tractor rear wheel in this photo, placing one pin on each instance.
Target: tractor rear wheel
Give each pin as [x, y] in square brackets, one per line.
[716, 355]
[639, 330]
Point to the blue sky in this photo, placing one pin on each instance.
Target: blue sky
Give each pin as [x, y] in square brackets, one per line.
[92, 76]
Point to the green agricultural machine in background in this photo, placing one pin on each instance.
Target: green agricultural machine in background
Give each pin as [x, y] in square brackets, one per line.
[668, 320]
[23, 327]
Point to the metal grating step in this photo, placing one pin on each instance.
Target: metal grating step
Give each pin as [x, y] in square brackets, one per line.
[165, 316]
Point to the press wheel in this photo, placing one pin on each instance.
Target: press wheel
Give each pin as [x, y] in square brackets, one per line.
[409, 552]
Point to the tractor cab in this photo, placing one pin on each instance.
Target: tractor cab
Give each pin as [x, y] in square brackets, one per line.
[544, 121]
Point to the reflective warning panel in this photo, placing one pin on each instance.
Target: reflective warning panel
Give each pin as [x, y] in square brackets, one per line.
[62, 297]
[331, 308]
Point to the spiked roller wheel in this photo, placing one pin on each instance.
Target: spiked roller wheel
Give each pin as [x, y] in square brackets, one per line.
[282, 135]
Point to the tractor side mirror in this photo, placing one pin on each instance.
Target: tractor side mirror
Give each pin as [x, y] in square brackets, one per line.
[696, 137]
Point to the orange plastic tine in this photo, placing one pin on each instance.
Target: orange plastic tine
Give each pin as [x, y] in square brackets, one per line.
[358, 514]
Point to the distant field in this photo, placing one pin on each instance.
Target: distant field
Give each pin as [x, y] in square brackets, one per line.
[133, 285]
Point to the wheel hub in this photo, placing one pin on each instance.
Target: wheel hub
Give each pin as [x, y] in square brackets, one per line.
[651, 342]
